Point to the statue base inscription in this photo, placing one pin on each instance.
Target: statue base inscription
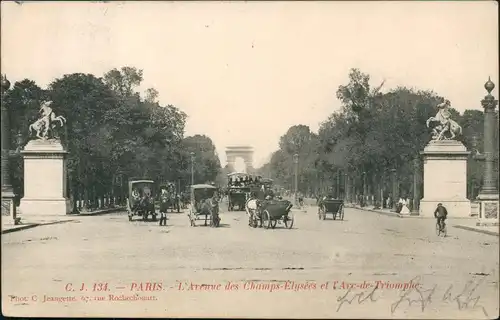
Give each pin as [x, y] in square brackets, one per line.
[445, 179]
[45, 176]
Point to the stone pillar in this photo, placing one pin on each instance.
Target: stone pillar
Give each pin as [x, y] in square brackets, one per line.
[488, 196]
[416, 187]
[45, 177]
[9, 214]
[445, 178]
[394, 183]
[230, 162]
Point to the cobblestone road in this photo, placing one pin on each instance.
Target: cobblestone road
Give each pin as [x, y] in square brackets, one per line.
[458, 275]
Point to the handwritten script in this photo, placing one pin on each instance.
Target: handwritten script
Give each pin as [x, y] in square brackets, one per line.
[423, 297]
[360, 298]
[467, 298]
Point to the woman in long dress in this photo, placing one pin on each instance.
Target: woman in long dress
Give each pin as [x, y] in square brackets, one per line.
[404, 208]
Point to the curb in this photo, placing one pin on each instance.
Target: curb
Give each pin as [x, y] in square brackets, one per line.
[389, 214]
[98, 212]
[21, 227]
[33, 225]
[490, 233]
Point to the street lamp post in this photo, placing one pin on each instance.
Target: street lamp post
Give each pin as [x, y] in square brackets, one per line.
[346, 190]
[394, 180]
[192, 168]
[365, 190]
[488, 196]
[8, 196]
[296, 162]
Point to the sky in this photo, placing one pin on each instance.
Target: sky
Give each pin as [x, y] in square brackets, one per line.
[245, 72]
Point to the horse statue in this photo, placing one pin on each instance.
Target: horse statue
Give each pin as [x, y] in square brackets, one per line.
[444, 123]
[45, 126]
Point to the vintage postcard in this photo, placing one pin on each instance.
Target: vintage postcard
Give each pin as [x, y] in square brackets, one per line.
[250, 159]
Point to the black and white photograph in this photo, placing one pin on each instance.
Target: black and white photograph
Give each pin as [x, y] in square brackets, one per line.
[250, 159]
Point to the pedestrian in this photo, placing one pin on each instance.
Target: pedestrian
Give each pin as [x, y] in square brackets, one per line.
[164, 200]
[404, 206]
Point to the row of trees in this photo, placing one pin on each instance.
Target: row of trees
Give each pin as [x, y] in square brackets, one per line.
[112, 134]
[373, 133]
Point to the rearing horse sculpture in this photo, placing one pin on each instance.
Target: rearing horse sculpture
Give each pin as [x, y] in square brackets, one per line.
[445, 123]
[44, 126]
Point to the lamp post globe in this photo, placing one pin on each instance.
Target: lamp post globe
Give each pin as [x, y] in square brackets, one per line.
[5, 83]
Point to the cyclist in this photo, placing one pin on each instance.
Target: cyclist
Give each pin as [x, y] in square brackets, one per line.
[440, 214]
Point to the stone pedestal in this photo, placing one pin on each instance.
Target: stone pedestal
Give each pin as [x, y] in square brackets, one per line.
[488, 210]
[45, 177]
[9, 215]
[445, 179]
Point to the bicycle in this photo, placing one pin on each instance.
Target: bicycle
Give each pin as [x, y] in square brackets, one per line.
[441, 229]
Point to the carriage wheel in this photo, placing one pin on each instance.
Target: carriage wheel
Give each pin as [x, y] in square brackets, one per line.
[273, 223]
[288, 221]
[266, 219]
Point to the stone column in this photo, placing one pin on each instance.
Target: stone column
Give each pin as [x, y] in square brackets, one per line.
[416, 187]
[8, 196]
[394, 183]
[230, 162]
[488, 196]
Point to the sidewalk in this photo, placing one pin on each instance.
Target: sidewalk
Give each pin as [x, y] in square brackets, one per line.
[467, 223]
[43, 220]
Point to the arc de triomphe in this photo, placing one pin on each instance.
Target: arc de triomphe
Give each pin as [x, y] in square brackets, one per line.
[244, 152]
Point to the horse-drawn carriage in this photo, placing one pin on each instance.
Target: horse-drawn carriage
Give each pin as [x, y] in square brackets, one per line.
[237, 197]
[333, 206]
[204, 205]
[268, 213]
[140, 201]
[171, 199]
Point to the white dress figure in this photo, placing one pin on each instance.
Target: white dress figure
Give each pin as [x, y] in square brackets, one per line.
[404, 208]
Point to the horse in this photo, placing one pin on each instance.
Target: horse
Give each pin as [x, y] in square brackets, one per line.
[452, 127]
[40, 126]
[210, 207]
